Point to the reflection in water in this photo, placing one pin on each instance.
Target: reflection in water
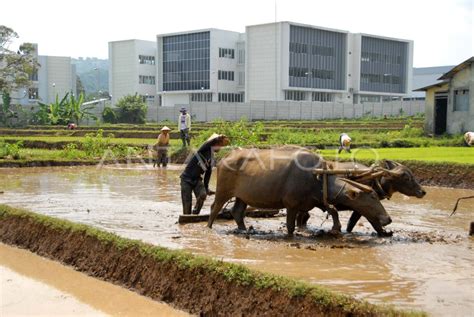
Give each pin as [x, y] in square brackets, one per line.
[432, 273]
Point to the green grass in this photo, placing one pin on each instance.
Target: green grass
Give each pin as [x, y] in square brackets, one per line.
[53, 139]
[233, 273]
[462, 155]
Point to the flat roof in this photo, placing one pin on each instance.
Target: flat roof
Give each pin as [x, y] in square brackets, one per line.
[131, 40]
[194, 31]
[331, 30]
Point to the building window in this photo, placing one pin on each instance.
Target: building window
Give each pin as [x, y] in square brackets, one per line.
[241, 78]
[322, 50]
[186, 61]
[299, 48]
[33, 93]
[322, 97]
[231, 97]
[226, 75]
[227, 52]
[148, 98]
[241, 57]
[313, 73]
[201, 97]
[145, 59]
[147, 80]
[368, 98]
[294, 95]
[34, 75]
[461, 100]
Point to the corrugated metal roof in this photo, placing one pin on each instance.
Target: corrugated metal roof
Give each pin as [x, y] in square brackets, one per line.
[457, 69]
[441, 83]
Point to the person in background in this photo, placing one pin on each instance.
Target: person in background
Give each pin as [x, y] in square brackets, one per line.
[161, 147]
[344, 143]
[71, 126]
[191, 178]
[469, 138]
[184, 126]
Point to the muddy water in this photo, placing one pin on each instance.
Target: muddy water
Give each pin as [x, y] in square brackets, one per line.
[427, 264]
[32, 285]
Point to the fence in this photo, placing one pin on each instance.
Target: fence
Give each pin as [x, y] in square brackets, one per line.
[270, 110]
[261, 110]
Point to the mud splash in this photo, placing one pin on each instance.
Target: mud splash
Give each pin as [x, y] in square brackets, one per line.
[426, 265]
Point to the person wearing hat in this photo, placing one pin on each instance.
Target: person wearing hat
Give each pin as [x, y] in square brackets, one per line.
[200, 164]
[161, 147]
[184, 126]
[344, 143]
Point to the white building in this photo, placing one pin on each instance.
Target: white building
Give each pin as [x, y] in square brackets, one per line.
[200, 66]
[290, 61]
[274, 61]
[132, 69]
[56, 75]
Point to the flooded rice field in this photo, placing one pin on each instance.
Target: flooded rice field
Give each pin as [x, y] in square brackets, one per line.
[31, 285]
[427, 264]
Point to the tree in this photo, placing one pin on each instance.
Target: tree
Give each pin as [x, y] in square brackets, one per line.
[15, 67]
[131, 109]
[79, 86]
[76, 112]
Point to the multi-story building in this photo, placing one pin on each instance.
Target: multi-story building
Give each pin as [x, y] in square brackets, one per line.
[56, 75]
[200, 66]
[132, 69]
[290, 61]
[274, 61]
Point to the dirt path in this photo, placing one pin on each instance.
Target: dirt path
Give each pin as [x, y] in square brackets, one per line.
[33, 285]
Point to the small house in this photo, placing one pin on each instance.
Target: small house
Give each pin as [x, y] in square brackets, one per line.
[450, 101]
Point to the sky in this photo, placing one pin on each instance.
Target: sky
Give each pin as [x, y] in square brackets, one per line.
[442, 31]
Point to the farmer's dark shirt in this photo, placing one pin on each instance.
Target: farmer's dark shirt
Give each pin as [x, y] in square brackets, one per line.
[201, 163]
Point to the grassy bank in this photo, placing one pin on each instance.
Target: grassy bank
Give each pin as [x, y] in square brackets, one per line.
[169, 275]
[442, 155]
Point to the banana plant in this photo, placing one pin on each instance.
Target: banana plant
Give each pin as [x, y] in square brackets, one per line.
[57, 112]
[78, 112]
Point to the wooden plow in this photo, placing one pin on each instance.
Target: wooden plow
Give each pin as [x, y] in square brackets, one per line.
[225, 214]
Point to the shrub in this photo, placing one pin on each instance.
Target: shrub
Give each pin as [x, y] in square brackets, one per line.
[71, 152]
[12, 150]
[109, 115]
[131, 109]
[240, 133]
[95, 145]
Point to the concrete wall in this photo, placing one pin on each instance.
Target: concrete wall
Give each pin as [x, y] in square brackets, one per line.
[461, 121]
[263, 62]
[287, 110]
[55, 77]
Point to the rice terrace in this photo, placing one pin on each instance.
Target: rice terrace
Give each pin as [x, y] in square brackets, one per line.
[285, 170]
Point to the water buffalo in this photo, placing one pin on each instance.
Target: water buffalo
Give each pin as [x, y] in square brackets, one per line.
[283, 178]
[399, 178]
